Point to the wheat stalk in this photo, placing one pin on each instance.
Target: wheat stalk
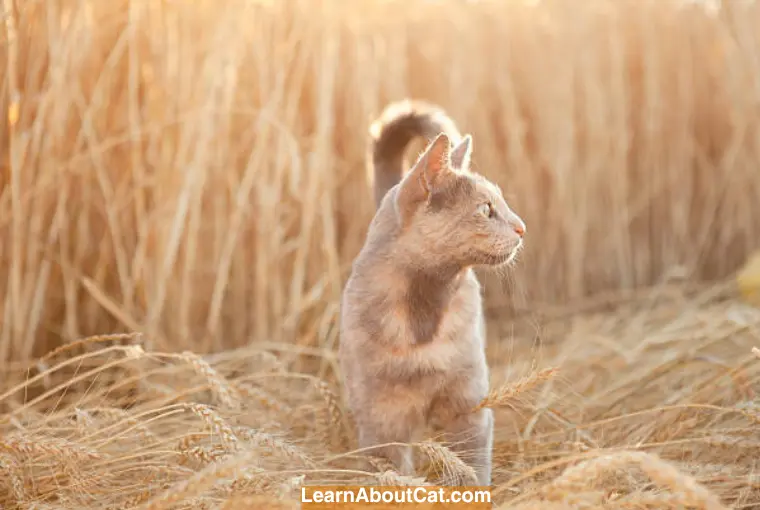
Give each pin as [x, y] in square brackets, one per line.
[506, 394]
[217, 424]
[391, 478]
[263, 398]
[199, 482]
[47, 447]
[275, 444]
[454, 468]
[221, 389]
[11, 468]
[579, 477]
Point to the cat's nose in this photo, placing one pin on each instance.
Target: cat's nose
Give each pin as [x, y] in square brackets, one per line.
[518, 225]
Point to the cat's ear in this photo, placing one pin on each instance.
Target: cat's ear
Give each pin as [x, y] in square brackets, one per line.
[434, 162]
[461, 154]
[430, 171]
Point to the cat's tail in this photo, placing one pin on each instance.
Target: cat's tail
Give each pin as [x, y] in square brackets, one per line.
[390, 134]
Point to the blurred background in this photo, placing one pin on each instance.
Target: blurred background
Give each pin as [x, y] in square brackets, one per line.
[183, 188]
[196, 170]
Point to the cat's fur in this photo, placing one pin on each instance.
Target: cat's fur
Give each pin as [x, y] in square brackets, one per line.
[412, 327]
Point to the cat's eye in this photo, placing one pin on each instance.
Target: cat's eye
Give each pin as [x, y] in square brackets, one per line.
[486, 210]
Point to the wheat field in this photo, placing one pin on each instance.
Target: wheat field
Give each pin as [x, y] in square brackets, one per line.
[183, 189]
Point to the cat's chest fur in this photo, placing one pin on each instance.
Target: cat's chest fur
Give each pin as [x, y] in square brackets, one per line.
[434, 315]
[430, 335]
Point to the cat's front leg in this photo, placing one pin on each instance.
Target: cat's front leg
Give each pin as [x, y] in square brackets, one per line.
[471, 436]
[468, 432]
[386, 424]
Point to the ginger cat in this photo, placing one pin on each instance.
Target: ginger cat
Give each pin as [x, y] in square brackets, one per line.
[412, 348]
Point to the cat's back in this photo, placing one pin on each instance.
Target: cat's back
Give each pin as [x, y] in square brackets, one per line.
[372, 275]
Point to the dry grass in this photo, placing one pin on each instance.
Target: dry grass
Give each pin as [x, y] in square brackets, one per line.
[654, 406]
[196, 171]
[191, 174]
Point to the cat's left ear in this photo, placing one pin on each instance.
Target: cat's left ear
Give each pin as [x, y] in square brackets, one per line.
[428, 173]
[461, 154]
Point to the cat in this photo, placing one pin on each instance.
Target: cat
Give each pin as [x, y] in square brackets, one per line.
[412, 330]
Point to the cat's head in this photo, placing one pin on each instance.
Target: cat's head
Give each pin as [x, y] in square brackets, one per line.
[450, 215]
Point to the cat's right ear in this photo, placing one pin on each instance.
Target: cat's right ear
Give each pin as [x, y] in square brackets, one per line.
[462, 153]
[431, 169]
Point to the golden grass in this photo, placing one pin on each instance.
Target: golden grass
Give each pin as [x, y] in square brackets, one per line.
[196, 171]
[653, 406]
[190, 177]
